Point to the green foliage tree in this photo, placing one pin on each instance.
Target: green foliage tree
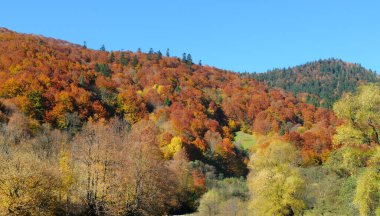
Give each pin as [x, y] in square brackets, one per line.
[35, 106]
[327, 193]
[361, 113]
[103, 69]
[225, 197]
[347, 161]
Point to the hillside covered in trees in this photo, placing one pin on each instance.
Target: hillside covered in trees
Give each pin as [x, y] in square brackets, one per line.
[320, 83]
[93, 132]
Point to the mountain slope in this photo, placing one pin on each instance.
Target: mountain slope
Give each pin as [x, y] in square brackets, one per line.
[89, 128]
[323, 81]
[65, 85]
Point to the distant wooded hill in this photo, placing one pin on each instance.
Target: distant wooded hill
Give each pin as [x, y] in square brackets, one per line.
[323, 81]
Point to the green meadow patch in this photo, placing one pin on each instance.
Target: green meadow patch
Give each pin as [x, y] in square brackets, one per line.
[244, 140]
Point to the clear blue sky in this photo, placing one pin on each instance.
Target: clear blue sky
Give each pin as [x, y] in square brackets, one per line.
[240, 35]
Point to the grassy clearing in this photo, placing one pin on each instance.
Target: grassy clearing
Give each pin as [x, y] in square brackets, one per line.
[244, 140]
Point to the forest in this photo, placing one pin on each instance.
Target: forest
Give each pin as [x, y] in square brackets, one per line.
[320, 83]
[97, 132]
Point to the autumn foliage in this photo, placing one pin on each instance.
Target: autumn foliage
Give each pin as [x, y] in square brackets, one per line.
[183, 118]
[65, 85]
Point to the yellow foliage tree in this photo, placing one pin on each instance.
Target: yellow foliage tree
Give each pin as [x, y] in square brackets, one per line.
[27, 185]
[127, 106]
[275, 182]
[367, 194]
[66, 177]
[12, 88]
[173, 147]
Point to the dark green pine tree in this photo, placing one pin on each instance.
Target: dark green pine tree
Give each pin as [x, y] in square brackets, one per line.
[135, 61]
[167, 52]
[121, 58]
[103, 48]
[167, 101]
[112, 57]
[150, 54]
[103, 69]
[184, 58]
[96, 67]
[189, 60]
[82, 80]
[124, 60]
[158, 56]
